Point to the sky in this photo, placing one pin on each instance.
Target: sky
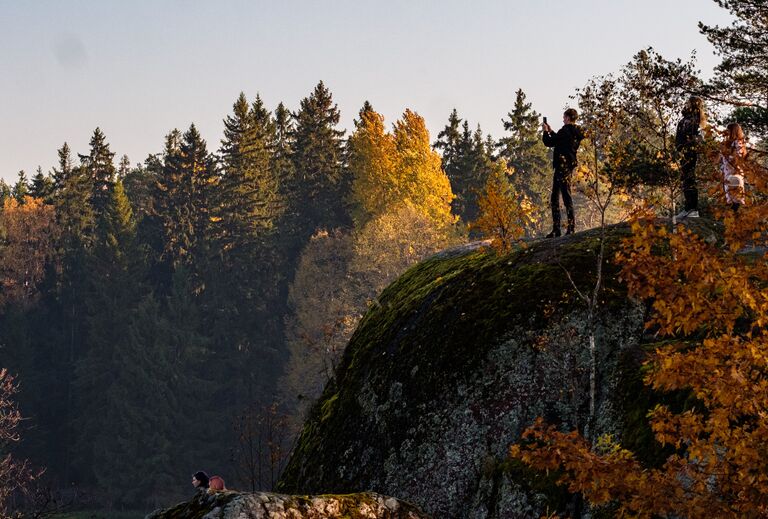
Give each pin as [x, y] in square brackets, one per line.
[139, 69]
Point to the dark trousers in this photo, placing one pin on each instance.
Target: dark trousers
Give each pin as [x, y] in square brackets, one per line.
[561, 186]
[688, 176]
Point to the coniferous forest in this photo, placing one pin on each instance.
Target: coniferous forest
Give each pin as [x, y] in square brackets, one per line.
[185, 311]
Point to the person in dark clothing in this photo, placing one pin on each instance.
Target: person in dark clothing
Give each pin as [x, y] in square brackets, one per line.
[688, 137]
[200, 481]
[566, 144]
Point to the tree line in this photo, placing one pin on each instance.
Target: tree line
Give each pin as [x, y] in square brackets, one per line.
[156, 314]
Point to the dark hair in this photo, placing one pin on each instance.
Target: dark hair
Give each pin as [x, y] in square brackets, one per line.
[571, 114]
[202, 477]
[694, 109]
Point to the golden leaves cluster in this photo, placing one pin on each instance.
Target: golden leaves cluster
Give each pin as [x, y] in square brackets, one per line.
[709, 294]
[28, 233]
[394, 168]
[505, 215]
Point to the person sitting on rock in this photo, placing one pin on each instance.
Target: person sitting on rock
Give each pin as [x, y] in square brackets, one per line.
[216, 484]
[200, 481]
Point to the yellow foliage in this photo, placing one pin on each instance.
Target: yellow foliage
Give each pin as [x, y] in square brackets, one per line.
[27, 235]
[391, 169]
[711, 299]
[504, 214]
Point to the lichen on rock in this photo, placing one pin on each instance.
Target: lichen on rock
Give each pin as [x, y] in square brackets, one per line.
[266, 505]
[462, 353]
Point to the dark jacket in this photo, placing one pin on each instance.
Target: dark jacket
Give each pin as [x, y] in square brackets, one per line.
[566, 143]
[688, 134]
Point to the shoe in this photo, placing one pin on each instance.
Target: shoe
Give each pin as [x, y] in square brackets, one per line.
[553, 234]
[569, 231]
[683, 214]
[693, 214]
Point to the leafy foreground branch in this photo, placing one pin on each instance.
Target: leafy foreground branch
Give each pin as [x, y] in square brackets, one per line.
[711, 301]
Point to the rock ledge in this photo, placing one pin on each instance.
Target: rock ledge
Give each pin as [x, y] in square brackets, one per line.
[266, 505]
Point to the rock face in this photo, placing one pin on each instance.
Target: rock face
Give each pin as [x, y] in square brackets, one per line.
[451, 364]
[264, 505]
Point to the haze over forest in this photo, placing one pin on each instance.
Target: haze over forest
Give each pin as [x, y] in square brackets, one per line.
[179, 279]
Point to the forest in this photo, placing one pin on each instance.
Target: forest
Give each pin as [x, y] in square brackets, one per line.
[184, 312]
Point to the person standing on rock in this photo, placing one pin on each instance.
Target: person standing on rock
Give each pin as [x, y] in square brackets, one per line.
[688, 139]
[566, 144]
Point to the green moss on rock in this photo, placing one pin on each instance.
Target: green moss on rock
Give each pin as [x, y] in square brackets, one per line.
[453, 361]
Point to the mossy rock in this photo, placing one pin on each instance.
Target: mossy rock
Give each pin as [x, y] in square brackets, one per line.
[455, 359]
[267, 505]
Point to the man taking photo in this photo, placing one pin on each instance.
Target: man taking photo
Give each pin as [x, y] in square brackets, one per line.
[565, 143]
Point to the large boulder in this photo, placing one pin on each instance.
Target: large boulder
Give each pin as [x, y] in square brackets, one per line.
[455, 359]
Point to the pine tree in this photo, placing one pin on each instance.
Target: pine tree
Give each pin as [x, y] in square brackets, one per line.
[321, 186]
[742, 76]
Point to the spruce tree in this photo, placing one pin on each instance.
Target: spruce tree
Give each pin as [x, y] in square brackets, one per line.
[5, 191]
[100, 169]
[124, 167]
[321, 185]
[184, 199]
[21, 187]
[466, 163]
[72, 193]
[248, 199]
[41, 186]
[525, 153]
[448, 144]
[115, 286]
[136, 452]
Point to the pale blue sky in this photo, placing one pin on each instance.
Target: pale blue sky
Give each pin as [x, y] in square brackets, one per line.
[138, 69]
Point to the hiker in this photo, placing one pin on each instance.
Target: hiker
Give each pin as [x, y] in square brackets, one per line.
[732, 153]
[216, 484]
[200, 481]
[566, 144]
[688, 138]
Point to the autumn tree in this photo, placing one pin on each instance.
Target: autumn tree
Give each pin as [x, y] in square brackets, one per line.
[371, 159]
[709, 303]
[28, 234]
[15, 474]
[390, 169]
[505, 215]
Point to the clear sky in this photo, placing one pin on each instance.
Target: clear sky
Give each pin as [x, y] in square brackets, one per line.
[140, 68]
